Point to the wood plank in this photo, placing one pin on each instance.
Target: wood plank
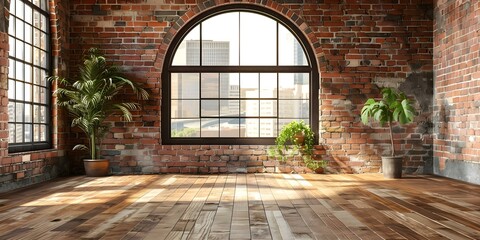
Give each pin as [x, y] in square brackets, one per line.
[243, 206]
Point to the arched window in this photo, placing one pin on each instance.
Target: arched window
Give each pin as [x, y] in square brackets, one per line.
[236, 75]
[29, 65]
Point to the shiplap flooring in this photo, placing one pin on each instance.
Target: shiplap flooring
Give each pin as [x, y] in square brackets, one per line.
[243, 206]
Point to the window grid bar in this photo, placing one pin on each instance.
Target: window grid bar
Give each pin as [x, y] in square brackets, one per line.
[240, 69]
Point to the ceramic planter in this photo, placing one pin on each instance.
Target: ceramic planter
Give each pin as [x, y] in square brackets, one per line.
[392, 166]
[96, 167]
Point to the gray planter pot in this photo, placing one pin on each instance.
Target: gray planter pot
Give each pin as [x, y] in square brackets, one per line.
[96, 167]
[392, 166]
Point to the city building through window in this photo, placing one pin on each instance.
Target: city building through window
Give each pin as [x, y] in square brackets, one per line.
[28, 90]
[237, 76]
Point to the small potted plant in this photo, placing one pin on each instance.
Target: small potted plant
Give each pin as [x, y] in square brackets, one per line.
[393, 108]
[91, 98]
[296, 139]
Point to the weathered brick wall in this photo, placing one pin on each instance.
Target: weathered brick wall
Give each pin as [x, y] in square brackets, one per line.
[24, 169]
[457, 89]
[360, 46]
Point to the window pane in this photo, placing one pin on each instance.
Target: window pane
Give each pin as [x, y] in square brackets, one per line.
[44, 23]
[28, 113]
[28, 132]
[229, 85]
[43, 78]
[43, 95]
[36, 56]
[43, 114]
[230, 127]
[18, 133]
[257, 40]
[290, 51]
[294, 85]
[13, 6]
[251, 127]
[185, 128]
[11, 132]
[268, 108]
[36, 132]
[43, 5]
[188, 53]
[293, 108]
[28, 53]
[210, 127]
[43, 59]
[210, 85]
[36, 94]
[11, 28]
[19, 29]
[19, 91]
[36, 75]
[19, 48]
[36, 114]
[43, 133]
[28, 73]
[28, 92]
[268, 127]
[230, 108]
[249, 108]
[185, 85]
[36, 19]
[210, 108]
[19, 9]
[184, 108]
[220, 40]
[249, 85]
[11, 89]
[28, 14]
[11, 47]
[36, 37]
[19, 71]
[268, 85]
[11, 68]
[11, 111]
[43, 41]
[28, 34]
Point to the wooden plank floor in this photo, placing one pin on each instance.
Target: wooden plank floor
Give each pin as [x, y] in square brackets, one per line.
[243, 206]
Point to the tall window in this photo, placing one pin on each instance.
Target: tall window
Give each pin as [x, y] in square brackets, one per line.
[28, 90]
[236, 77]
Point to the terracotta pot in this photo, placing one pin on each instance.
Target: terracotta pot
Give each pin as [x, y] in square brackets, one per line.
[300, 138]
[392, 166]
[96, 167]
[319, 170]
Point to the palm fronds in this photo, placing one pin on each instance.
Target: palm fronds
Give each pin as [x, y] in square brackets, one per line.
[92, 97]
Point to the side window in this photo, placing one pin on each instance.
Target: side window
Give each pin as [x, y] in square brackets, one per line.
[235, 78]
[28, 90]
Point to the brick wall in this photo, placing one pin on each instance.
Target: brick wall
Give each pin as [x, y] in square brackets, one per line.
[457, 89]
[24, 169]
[360, 46]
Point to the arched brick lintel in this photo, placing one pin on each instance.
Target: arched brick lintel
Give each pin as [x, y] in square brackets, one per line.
[268, 4]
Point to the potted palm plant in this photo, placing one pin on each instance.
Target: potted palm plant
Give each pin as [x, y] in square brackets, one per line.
[394, 107]
[91, 98]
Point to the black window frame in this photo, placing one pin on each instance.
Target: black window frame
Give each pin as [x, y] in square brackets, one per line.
[168, 68]
[35, 145]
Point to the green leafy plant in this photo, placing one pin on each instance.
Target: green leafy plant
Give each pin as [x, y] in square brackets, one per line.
[394, 107]
[314, 164]
[92, 97]
[296, 139]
